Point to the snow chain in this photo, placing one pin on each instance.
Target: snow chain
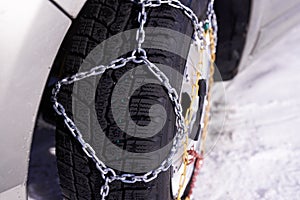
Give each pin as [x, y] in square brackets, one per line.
[139, 56]
[196, 158]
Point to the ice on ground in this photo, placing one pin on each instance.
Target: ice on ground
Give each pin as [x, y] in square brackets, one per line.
[257, 155]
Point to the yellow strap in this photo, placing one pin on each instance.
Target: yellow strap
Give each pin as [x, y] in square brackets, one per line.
[188, 118]
[211, 81]
[195, 89]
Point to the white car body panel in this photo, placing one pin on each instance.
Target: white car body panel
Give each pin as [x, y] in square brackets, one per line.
[269, 21]
[15, 193]
[31, 34]
[70, 6]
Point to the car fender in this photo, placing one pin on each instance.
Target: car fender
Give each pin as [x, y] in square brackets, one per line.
[269, 21]
[30, 37]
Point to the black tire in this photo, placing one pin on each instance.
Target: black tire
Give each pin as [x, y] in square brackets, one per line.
[99, 20]
[233, 19]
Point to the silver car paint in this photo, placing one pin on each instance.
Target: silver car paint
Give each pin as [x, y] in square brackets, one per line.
[70, 6]
[270, 19]
[30, 37]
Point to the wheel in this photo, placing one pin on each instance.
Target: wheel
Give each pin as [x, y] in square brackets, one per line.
[233, 20]
[99, 20]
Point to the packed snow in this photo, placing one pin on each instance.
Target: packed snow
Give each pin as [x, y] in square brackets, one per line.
[257, 154]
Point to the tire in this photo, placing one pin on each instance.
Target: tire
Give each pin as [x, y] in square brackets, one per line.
[99, 20]
[233, 19]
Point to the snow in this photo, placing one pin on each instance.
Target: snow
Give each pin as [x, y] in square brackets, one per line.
[257, 154]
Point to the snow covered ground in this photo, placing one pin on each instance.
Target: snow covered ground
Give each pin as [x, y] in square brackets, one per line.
[257, 155]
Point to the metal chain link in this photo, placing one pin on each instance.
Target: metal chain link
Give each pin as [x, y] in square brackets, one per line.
[108, 174]
[212, 18]
[138, 56]
[140, 34]
[198, 26]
